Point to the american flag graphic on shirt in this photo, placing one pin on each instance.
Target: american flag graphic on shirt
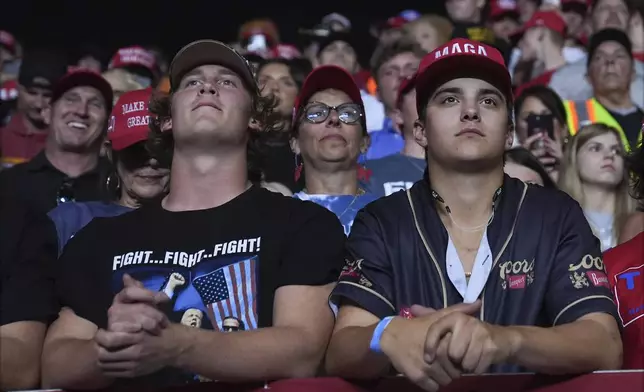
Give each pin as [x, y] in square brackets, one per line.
[230, 291]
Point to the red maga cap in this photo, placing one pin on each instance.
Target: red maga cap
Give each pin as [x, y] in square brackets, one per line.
[501, 8]
[327, 77]
[548, 19]
[129, 123]
[133, 56]
[461, 58]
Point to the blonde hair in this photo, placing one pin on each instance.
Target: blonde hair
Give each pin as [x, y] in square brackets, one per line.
[570, 181]
[121, 79]
[442, 25]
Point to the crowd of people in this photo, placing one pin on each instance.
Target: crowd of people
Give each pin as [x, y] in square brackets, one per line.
[470, 202]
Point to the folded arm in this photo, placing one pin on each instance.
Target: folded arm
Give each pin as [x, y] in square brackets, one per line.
[591, 343]
[349, 354]
[20, 349]
[70, 354]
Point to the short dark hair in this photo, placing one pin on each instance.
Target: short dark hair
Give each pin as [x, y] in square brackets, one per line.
[299, 68]
[160, 144]
[635, 163]
[548, 97]
[523, 157]
[386, 52]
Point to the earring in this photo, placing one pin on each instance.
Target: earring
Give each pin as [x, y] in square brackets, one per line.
[298, 168]
[364, 174]
[108, 183]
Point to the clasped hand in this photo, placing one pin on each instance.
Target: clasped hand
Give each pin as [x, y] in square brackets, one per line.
[436, 347]
[135, 342]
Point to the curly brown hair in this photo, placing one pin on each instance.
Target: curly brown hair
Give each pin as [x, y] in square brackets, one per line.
[160, 144]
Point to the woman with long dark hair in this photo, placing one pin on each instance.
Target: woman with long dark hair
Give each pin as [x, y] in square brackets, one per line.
[541, 126]
[521, 164]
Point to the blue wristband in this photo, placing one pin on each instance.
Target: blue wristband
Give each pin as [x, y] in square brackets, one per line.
[377, 334]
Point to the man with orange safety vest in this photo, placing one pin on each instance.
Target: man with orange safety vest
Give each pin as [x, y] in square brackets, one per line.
[610, 72]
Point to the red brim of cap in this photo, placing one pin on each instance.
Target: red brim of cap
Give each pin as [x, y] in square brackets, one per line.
[84, 78]
[405, 86]
[126, 140]
[464, 66]
[328, 77]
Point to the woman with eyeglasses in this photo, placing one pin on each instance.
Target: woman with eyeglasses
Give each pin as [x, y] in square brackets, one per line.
[136, 177]
[329, 134]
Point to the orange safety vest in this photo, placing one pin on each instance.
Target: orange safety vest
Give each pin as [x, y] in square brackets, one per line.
[582, 113]
[372, 87]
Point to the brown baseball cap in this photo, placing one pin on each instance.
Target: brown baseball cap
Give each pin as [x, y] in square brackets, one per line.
[209, 51]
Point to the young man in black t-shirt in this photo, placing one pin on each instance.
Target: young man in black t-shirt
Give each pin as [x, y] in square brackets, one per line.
[216, 255]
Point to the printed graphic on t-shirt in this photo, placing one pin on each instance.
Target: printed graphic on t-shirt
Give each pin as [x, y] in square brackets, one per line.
[213, 288]
[628, 294]
[396, 186]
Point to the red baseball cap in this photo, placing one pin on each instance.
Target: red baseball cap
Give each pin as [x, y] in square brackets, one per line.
[461, 58]
[83, 77]
[501, 8]
[548, 19]
[8, 41]
[134, 56]
[129, 123]
[326, 77]
[406, 86]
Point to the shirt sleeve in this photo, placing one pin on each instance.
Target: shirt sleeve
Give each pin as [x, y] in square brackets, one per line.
[314, 247]
[578, 284]
[367, 278]
[80, 282]
[28, 283]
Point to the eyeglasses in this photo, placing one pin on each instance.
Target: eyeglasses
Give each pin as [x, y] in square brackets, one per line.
[348, 113]
[66, 192]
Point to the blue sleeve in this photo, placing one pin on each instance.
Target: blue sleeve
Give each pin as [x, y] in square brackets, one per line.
[367, 278]
[578, 284]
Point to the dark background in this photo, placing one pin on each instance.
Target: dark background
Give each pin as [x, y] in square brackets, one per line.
[170, 24]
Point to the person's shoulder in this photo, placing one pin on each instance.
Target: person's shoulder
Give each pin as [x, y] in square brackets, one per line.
[549, 199]
[66, 209]
[632, 247]
[382, 162]
[387, 205]
[626, 255]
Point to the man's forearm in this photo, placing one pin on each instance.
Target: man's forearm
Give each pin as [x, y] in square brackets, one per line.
[579, 347]
[349, 355]
[72, 364]
[263, 354]
[19, 364]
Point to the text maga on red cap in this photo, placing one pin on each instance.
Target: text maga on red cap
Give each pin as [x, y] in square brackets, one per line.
[133, 56]
[130, 120]
[461, 58]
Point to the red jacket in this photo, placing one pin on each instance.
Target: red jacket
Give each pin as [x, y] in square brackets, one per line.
[625, 268]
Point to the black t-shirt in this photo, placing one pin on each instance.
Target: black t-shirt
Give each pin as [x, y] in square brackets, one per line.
[631, 123]
[28, 251]
[214, 264]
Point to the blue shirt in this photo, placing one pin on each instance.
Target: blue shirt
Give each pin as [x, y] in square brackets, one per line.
[394, 173]
[385, 142]
[345, 207]
[69, 218]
